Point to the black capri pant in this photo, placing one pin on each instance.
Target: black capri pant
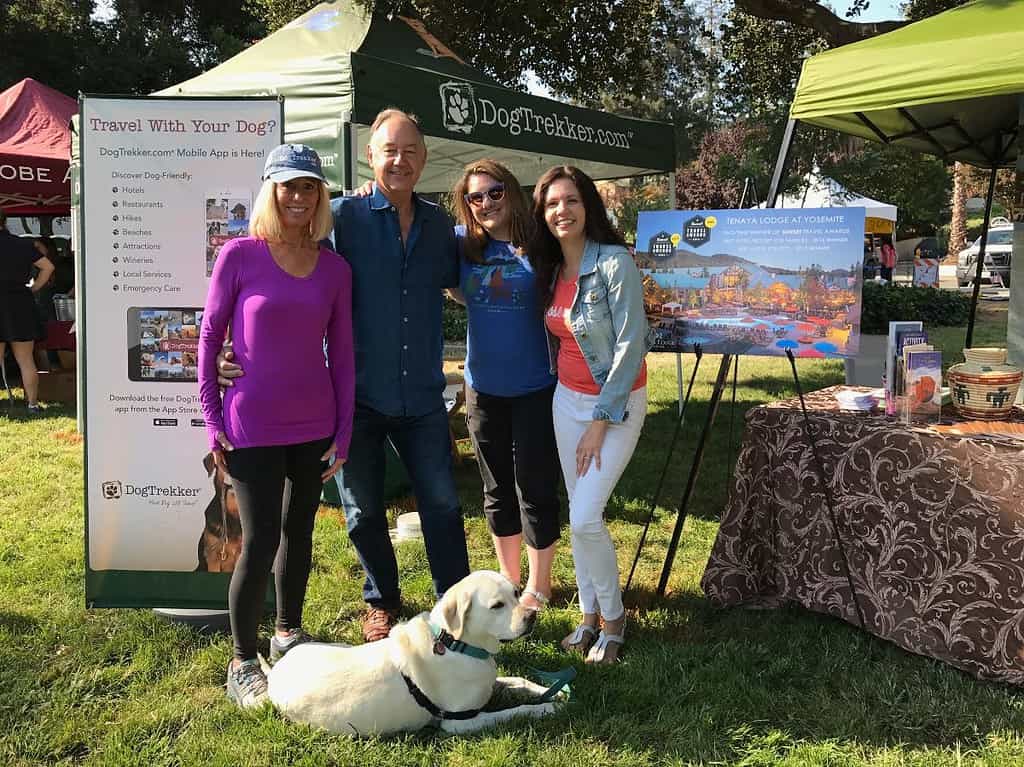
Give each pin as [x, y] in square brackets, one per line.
[514, 440]
[278, 491]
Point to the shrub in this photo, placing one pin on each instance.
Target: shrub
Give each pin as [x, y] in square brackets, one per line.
[453, 322]
[883, 304]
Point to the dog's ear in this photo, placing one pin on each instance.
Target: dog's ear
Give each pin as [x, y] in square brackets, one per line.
[454, 608]
[208, 464]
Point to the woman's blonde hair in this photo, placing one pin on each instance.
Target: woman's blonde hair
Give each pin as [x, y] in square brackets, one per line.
[265, 221]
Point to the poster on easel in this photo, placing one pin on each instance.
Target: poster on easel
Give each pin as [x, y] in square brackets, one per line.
[165, 182]
[757, 282]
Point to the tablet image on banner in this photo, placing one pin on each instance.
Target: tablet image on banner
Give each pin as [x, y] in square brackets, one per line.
[227, 217]
[164, 344]
[753, 281]
[165, 183]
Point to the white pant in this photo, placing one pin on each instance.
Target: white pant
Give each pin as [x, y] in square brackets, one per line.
[593, 553]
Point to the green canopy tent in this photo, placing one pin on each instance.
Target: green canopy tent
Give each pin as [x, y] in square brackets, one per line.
[950, 85]
[338, 65]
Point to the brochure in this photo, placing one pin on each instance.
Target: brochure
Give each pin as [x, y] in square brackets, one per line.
[891, 356]
[922, 395]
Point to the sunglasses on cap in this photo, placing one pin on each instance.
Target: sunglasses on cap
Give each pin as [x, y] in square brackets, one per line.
[476, 199]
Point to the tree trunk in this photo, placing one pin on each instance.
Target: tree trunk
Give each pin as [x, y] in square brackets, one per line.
[958, 221]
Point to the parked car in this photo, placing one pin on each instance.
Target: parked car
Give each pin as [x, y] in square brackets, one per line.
[998, 252]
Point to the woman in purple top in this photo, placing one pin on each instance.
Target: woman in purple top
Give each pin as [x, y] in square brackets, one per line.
[283, 296]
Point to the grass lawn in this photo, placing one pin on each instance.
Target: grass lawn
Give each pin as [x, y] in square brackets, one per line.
[697, 685]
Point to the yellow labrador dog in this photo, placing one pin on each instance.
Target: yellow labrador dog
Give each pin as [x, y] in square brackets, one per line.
[436, 668]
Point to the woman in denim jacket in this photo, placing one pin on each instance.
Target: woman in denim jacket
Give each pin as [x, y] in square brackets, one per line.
[594, 313]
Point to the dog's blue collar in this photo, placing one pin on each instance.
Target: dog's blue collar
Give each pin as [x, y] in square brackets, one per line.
[443, 641]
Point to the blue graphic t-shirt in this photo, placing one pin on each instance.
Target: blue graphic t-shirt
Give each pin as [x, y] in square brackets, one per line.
[506, 345]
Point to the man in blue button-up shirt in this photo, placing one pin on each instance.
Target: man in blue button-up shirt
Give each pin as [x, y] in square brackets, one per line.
[402, 253]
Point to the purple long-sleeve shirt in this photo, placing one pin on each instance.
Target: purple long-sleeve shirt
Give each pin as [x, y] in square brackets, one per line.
[288, 394]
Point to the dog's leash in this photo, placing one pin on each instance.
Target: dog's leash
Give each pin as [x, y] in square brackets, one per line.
[557, 681]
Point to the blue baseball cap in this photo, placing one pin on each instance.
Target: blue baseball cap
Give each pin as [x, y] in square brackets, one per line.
[290, 161]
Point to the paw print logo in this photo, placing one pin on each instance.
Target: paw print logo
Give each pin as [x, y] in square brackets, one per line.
[458, 107]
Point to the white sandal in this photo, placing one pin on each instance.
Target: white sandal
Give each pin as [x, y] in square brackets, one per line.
[599, 650]
[583, 635]
[542, 601]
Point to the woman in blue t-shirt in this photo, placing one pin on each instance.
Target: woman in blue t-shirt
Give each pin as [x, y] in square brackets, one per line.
[508, 374]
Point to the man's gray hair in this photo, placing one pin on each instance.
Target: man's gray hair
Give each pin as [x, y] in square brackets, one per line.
[386, 114]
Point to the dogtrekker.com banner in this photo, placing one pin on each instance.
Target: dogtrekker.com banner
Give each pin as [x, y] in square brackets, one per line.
[164, 184]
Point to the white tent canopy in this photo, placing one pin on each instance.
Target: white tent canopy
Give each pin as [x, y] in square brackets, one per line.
[823, 192]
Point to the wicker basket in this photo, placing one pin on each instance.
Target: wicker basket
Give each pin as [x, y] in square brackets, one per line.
[983, 391]
[986, 355]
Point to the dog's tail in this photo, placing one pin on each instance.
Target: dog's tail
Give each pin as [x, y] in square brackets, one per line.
[263, 663]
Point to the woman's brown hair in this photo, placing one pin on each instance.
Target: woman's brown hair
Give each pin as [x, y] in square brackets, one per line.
[520, 223]
[544, 250]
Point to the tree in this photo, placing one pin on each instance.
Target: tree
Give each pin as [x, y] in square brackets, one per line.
[625, 199]
[958, 217]
[678, 84]
[48, 40]
[748, 44]
[727, 157]
[784, 32]
[919, 185]
[141, 47]
[148, 45]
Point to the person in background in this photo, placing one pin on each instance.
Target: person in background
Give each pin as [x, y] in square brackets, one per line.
[509, 381]
[19, 319]
[595, 318]
[44, 296]
[283, 294]
[887, 259]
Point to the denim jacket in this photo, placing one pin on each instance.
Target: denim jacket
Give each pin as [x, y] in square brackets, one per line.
[609, 324]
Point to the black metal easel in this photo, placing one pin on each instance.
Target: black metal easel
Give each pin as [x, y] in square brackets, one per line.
[668, 459]
[691, 482]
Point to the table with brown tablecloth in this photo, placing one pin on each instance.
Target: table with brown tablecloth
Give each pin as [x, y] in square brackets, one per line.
[932, 524]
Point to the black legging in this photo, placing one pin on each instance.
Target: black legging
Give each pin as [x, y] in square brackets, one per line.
[274, 522]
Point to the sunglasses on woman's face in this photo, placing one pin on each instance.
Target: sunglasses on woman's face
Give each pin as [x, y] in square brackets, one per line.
[496, 193]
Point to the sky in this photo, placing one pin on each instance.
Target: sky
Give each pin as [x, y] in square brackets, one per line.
[879, 10]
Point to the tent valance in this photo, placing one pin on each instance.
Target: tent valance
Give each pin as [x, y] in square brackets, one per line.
[948, 85]
[823, 192]
[338, 65]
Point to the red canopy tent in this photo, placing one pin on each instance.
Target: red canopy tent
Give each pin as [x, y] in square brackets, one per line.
[35, 148]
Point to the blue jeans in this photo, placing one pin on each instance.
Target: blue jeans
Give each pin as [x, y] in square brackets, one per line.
[424, 445]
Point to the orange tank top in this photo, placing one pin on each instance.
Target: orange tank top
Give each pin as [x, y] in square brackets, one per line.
[573, 372]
